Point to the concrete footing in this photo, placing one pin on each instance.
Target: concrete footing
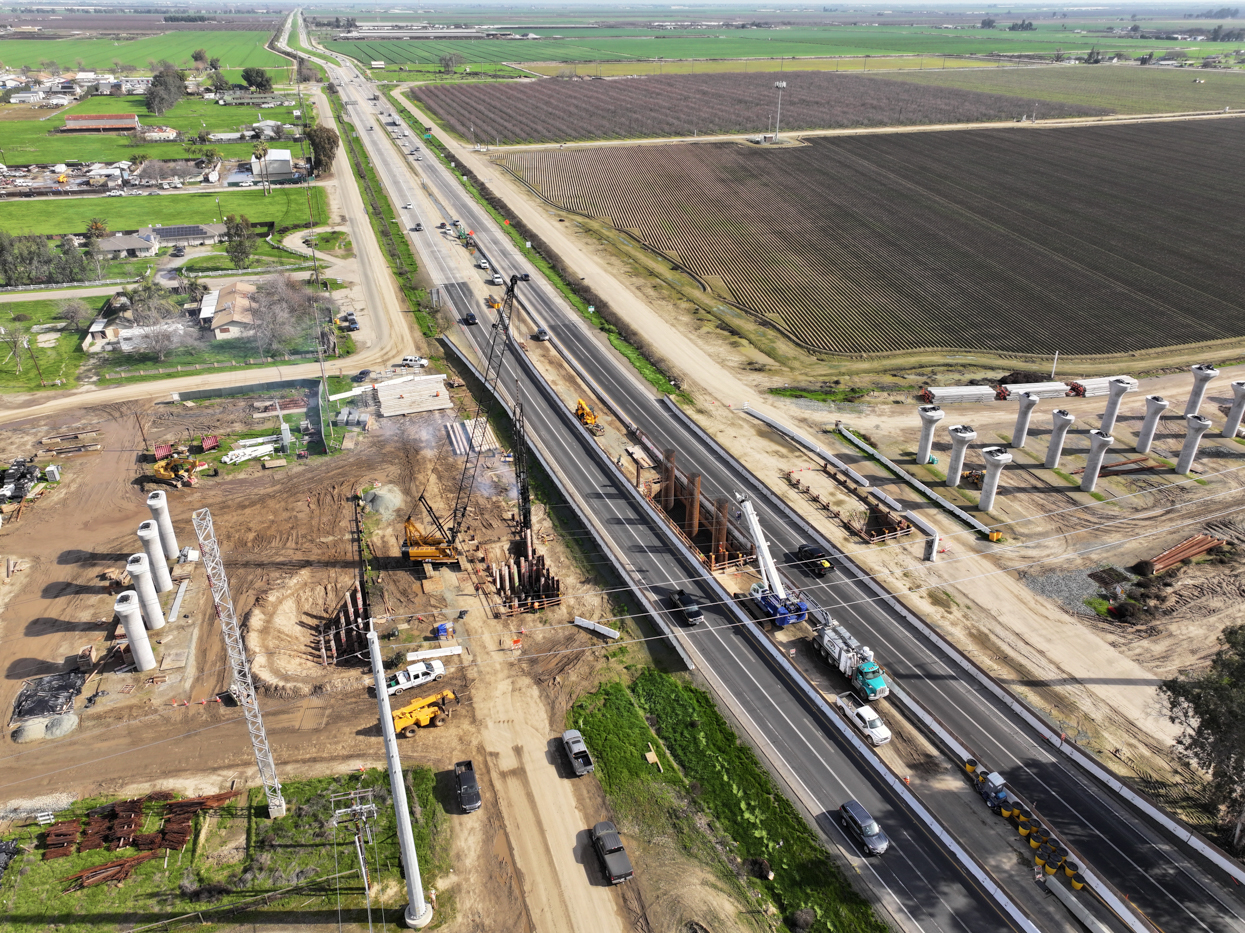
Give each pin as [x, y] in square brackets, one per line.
[996, 458]
[1020, 432]
[930, 416]
[1098, 444]
[1195, 427]
[1062, 420]
[1155, 406]
[127, 609]
[1203, 373]
[961, 436]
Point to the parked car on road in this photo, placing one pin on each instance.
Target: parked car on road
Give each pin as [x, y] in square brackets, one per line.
[541, 334]
[467, 785]
[414, 362]
[577, 752]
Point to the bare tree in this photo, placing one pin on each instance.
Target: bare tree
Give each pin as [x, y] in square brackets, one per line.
[163, 338]
[77, 312]
[284, 308]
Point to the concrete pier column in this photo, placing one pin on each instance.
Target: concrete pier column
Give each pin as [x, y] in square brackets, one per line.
[1238, 409]
[1028, 402]
[691, 505]
[1117, 388]
[930, 416]
[140, 572]
[1155, 406]
[1203, 373]
[149, 534]
[159, 505]
[667, 482]
[127, 609]
[961, 436]
[1062, 420]
[996, 459]
[1098, 444]
[1195, 427]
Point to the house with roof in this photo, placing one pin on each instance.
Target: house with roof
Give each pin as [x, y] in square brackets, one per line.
[229, 311]
[124, 245]
[101, 123]
[276, 166]
[26, 97]
[186, 234]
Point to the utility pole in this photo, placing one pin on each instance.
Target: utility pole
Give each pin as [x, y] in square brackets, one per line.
[418, 913]
[146, 446]
[781, 85]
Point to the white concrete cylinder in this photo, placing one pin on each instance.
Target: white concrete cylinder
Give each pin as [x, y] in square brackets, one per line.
[149, 534]
[159, 505]
[140, 572]
[1203, 373]
[1062, 421]
[1155, 406]
[1233, 423]
[930, 416]
[1195, 427]
[1098, 444]
[127, 609]
[961, 436]
[1028, 402]
[1117, 388]
[996, 459]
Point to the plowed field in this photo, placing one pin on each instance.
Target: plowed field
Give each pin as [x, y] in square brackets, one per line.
[710, 104]
[1085, 240]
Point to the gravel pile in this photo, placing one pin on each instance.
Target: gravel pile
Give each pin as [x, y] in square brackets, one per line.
[27, 807]
[1069, 588]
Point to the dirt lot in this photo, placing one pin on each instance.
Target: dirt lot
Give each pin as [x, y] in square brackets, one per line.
[286, 539]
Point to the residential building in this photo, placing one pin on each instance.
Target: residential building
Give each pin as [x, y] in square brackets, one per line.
[229, 311]
[186, 234]
[124, 245]
[26, 97]
[276, 166]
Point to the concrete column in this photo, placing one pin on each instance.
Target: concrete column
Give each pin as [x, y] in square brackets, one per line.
[1195, 427]
[930, 416]
[961, 436]
[1028, 402]
[149, 534]
[1063, 420]
[1117, 388]
[1098, 444]
[691, 505]
[667, 482]
[1203, 373]
[127, 610]
[996, 459]
[1238, 409]
[159, 505]
[140, 572]
[1155, 406]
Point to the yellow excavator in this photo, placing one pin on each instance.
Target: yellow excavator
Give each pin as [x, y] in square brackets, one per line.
[424, 711]
[588, 418]
[178, 471]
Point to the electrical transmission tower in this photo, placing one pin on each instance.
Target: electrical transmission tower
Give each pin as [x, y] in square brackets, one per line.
[243, 688]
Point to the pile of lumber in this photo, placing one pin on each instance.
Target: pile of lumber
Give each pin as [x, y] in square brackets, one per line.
[117, 870]
[60, 839]
[1189, 548]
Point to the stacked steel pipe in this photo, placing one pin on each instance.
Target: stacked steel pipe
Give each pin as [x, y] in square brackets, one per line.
[525, 583]
[117, 870]
[1185, 550]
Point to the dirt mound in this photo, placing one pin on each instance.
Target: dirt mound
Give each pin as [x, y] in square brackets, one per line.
[1018, 377]
[53, 727]
[385, 500]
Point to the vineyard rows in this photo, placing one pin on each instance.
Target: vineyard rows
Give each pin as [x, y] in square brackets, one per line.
[709, 104]
[1086, 240]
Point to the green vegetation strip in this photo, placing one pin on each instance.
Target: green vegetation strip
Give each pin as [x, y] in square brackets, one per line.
[384, 220]
[286, 207]
[727, 782]
[579, 297]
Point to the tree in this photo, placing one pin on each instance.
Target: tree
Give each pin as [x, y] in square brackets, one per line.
[240, 240]
[95, 255]
[164, 338]
[97, 227]
[1210, 706]
[70, 265]
[167, 88]
[200, 55]
[260, 152]
[214, 64]
[305, 72]
[257, 79]
[987, 23]
[283, 310]
[324, 141]
[77, 312]
[219, 81]
[450, 62]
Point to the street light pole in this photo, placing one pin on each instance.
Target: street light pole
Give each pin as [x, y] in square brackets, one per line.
[781, 85]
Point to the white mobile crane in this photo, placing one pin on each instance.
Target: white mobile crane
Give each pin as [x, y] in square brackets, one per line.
[771, 593]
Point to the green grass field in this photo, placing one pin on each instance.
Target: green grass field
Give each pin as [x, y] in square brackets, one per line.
[31, 136]
[234, 49]
[59, 362]
[1123, 88]
[286, 206]
[265, 258]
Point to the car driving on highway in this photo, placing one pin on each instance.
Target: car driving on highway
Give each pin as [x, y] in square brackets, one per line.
[864, 828]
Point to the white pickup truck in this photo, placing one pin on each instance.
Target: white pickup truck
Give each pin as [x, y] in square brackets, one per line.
[861, 715]
[415, 675]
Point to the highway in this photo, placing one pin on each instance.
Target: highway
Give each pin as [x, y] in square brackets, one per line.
[1176, 889]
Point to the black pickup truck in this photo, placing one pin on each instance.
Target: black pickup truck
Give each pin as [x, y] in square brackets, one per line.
[468, 787]
[614, 858]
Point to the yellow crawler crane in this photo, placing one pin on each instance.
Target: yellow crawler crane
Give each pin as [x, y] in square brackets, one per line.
[424, 711]
[588, 418]
[421, 546]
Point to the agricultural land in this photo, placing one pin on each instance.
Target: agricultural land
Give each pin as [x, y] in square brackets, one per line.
[286, 207]
[32, 136]
[235, 49]
[1088, 240]
[690, 105]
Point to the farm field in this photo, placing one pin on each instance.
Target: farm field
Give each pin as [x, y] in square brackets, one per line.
[1122, 88]
[1083, 240]
[286, 206]
[30, 136]
[687, 105]
[711, 66]
[235, 49]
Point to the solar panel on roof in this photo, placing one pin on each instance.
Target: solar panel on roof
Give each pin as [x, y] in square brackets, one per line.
[183, 230]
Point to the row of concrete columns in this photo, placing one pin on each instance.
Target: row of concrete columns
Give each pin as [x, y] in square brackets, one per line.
[139, 609]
